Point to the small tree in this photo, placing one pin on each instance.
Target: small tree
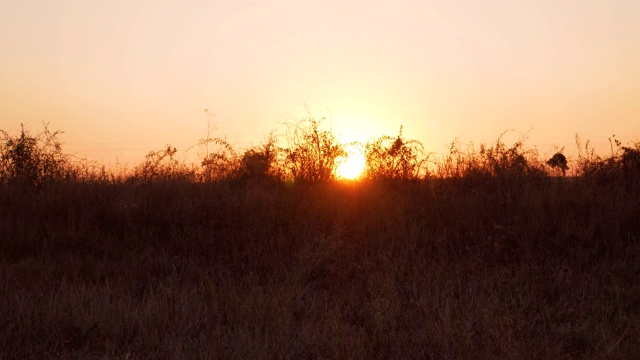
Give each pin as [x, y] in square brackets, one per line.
[558, 161]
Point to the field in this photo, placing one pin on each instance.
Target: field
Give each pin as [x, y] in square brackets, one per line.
[468, 265]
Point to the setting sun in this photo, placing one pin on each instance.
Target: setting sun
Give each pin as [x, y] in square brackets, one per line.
[352, 168]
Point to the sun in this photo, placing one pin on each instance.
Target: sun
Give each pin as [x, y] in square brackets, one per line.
[352, 168]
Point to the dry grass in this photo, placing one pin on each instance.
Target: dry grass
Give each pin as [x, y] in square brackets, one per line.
[545, 269]
[487, 257]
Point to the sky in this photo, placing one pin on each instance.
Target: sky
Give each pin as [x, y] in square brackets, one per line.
[123, 77]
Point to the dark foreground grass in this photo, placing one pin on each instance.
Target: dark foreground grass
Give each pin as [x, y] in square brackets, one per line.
[527, 269]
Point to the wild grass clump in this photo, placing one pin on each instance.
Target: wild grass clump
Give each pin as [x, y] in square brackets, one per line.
[623, 164]
[499, 169]
[496, 160]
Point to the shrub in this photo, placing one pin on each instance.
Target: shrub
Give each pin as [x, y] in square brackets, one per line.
[630, 160]
[623, 165]
[313, 153]
[394, 158]
[33, 160]
[260, 162]
[162, 165]
[220, 161]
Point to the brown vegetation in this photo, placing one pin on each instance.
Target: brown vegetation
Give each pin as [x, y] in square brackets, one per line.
[487, 256]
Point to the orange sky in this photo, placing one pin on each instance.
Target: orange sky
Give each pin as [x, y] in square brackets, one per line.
[122, 77]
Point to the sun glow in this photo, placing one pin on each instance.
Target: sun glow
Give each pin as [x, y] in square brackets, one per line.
[352, 168]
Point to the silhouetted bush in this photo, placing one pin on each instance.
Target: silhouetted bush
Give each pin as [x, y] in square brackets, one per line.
[220, 161]
[394, 158]
[33, 160]
[261, 163]
[312, 154]
[163, 165]
[622, 166]
[630, 160]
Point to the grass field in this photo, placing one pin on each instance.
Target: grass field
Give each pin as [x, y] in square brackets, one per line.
[437, 267]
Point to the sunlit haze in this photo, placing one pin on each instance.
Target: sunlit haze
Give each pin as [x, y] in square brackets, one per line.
[123, 77]
[352, 167]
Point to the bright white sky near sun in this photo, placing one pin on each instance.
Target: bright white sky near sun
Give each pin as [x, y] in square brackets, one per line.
[122, 77]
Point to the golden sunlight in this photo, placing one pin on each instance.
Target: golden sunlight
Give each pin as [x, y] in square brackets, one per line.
[352, 168]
